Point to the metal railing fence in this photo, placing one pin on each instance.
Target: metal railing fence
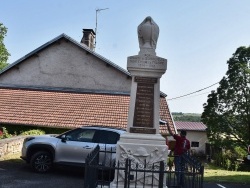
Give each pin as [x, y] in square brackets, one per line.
[102, 174]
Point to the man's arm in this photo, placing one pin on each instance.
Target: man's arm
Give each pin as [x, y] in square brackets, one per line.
[170, 131]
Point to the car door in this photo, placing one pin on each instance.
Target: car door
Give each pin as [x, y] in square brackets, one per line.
[107, 141]
[75, 146]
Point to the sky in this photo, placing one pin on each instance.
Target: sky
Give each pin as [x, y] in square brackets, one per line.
[197, 37]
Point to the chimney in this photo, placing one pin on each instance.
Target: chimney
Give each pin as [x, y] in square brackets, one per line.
[88, 38]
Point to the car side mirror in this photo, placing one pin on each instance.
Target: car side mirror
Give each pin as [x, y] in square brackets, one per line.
[63, 138]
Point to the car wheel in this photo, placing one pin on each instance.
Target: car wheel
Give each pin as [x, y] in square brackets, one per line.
[41, 161]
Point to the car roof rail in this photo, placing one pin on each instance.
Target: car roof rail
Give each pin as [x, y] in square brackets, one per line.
[103, 126]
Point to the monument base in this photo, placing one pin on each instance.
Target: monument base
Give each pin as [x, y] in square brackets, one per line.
[144, 151]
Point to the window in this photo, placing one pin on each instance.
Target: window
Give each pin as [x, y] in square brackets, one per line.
[194, 144]
[106, 137]
[81, 135]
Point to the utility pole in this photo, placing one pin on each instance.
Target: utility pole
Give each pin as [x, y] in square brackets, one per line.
[96, 12]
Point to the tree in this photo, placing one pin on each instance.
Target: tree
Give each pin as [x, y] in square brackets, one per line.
[227, 111]
[4, 54]
[190, 117]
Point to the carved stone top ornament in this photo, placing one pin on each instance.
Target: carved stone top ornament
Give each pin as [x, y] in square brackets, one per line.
[148, 32]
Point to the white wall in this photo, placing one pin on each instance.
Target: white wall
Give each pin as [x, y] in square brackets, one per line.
[64, 64]
[198, 136]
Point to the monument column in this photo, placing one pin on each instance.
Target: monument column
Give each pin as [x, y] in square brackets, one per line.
[142, 143]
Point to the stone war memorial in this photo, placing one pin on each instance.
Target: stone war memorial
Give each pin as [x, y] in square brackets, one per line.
[143, 144]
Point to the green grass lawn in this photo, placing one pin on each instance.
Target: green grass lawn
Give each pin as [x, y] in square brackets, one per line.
[214, 174]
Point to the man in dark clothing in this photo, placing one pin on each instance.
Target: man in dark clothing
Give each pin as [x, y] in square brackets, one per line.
[182, 143]
[182, 146]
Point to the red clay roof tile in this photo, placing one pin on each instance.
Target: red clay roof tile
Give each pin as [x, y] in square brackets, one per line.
[69, 110]
[195, 126]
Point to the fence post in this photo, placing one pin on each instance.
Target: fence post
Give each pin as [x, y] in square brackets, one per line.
[202, 176]
[193, 179]
[161, 174]
[126, 174]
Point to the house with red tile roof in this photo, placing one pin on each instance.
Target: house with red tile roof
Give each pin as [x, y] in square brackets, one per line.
[65, 84]
[196, 134]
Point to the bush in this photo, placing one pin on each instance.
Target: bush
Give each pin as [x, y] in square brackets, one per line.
[245, 166]
[200, 155]
[218, 159]
[19, 129]
[230, 159]
[170, 162]
[5, 133]
[33, 132]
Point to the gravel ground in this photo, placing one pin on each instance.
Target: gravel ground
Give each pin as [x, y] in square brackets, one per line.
[17, 174]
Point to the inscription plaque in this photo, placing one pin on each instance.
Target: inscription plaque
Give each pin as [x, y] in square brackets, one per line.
[144, 106]
[147, 61]
[142, 130]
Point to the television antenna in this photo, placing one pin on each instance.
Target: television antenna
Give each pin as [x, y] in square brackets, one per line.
[96, 13]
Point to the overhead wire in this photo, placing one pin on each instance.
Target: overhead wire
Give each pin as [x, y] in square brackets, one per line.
[191, 96]
[192, 92]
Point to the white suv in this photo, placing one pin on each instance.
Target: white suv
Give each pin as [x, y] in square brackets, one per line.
[69, 148]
